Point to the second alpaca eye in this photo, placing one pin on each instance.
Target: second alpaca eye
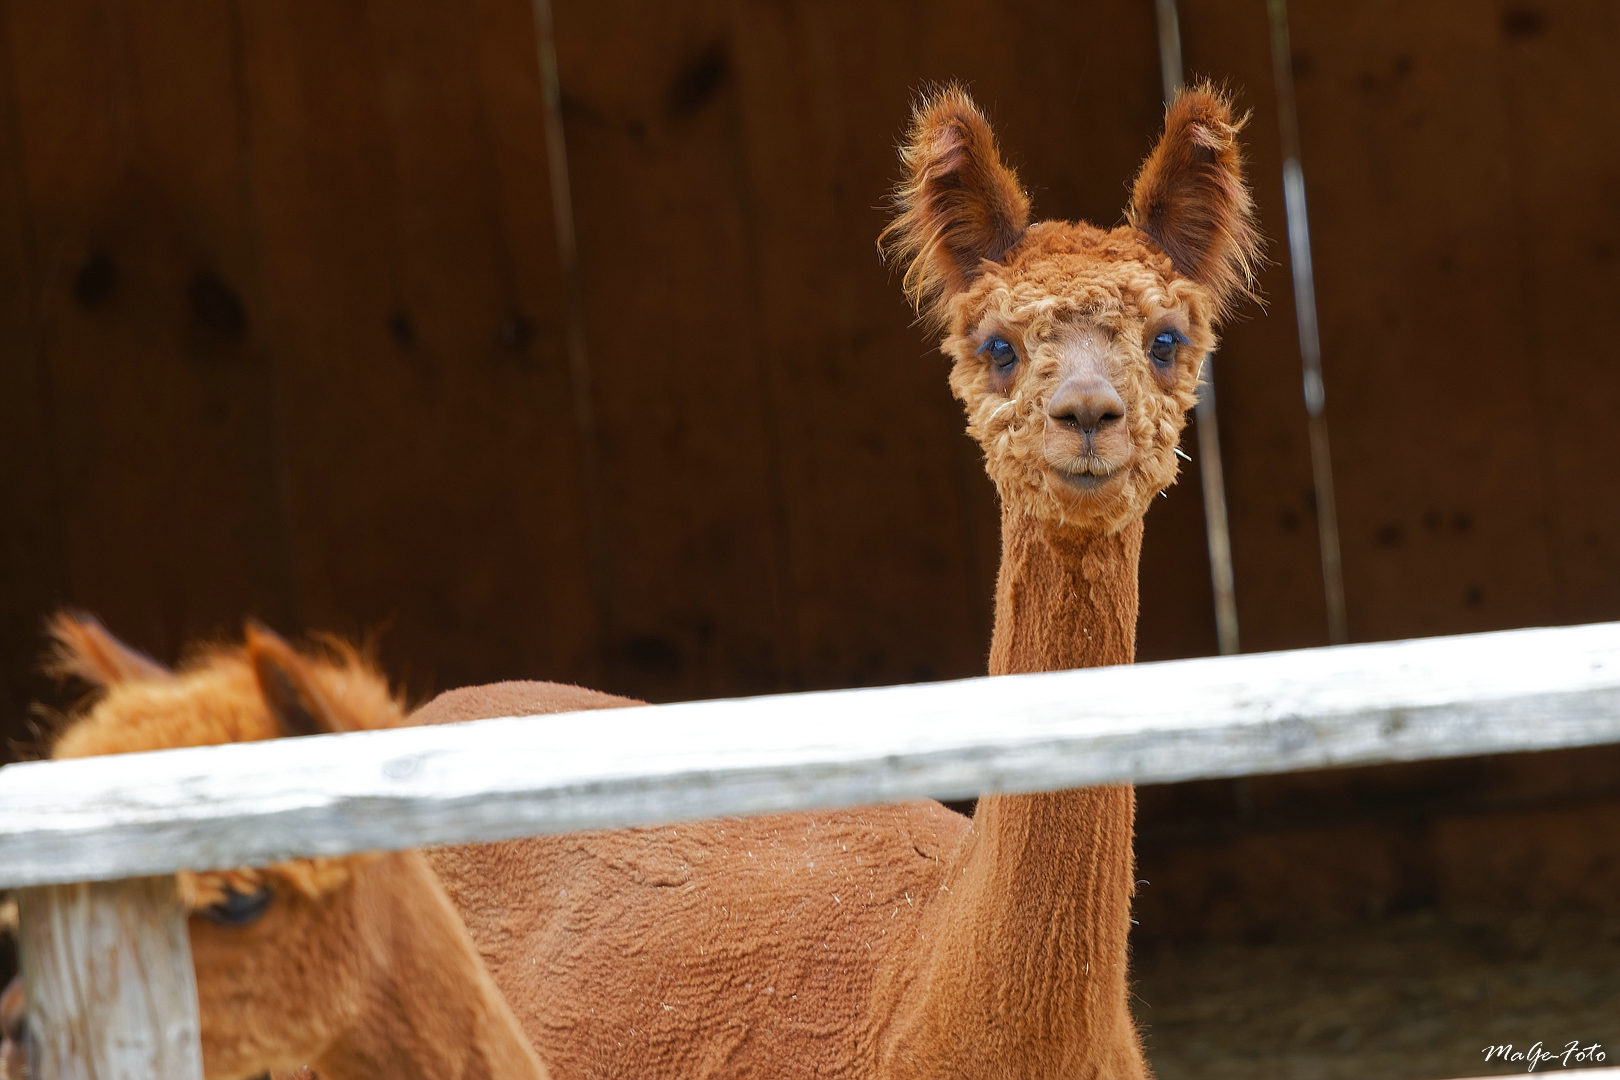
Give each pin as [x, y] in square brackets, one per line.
[1002, 354]
[239, 909]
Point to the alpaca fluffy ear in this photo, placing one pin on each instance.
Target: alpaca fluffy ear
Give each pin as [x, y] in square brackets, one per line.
[291, 693]
[957, 204]
[1191, 199]
[81, 647]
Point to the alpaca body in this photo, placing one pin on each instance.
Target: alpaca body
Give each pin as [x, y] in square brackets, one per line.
[740, 947]
[748, 947]
[904, 942]
[884, 941]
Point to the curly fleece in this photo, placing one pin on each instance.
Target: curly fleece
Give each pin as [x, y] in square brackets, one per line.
[1112, 285]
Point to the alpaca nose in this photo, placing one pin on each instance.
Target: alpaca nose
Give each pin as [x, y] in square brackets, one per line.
[1086, 402]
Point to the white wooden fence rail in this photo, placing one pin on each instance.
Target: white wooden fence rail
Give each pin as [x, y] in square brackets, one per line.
[109, 968]
[213, 807]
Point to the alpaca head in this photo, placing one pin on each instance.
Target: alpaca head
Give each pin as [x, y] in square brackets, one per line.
[281, 967]
[1076, 350]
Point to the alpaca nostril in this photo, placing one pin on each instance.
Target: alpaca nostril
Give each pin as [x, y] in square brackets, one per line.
[1091, 420]
[1086, 404]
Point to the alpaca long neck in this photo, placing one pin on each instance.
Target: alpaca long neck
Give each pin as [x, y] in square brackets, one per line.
[431, 1010]
[1028, 957]
[1064, 600]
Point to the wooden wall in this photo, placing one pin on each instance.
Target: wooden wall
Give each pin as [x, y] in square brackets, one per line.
[1465, 220]
[286, 337]
[1465, 217]
[281, 330]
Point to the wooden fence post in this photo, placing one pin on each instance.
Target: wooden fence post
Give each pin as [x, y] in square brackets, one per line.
[111, 991]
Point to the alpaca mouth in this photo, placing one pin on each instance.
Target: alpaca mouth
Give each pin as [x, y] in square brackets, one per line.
[1088, 475]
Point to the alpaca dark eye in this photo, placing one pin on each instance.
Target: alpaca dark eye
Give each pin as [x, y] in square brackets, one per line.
[1163, 349]
[1001, 354]
[239, 909]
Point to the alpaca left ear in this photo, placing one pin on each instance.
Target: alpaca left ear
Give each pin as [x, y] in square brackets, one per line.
[1191, 199]
[291, 693]
[956, 206]
[83, 648]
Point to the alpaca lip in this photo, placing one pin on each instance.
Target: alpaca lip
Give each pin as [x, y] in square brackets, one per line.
[1086, 480]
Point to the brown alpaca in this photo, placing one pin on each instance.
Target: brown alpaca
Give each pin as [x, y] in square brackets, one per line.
[13, 1031]
[905, 941]
[357, 966]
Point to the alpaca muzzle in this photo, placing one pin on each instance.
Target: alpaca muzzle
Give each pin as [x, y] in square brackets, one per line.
[1086, 438]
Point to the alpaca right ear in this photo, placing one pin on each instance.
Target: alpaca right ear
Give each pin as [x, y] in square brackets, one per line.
[81, 647]
[957, 204]
[288, 686]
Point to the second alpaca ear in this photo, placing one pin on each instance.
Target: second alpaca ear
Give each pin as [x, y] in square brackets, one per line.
[1191, 199]
[82, 647]
[957, 204]
[297, 702]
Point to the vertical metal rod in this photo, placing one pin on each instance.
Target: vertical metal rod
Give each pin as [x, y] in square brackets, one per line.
[579, 369]
[1170, 66]
[1215, 526]
[1216, 531]
[1310, 345]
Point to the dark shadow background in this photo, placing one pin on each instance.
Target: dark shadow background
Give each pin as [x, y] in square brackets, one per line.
[282, 335]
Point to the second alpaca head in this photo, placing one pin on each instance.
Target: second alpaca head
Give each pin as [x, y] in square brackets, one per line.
[358, 965]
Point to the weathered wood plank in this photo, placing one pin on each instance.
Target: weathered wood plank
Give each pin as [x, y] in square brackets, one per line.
[698, 552]
[111, 993]
[400, 175]
[147, 316]
[103, 818]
